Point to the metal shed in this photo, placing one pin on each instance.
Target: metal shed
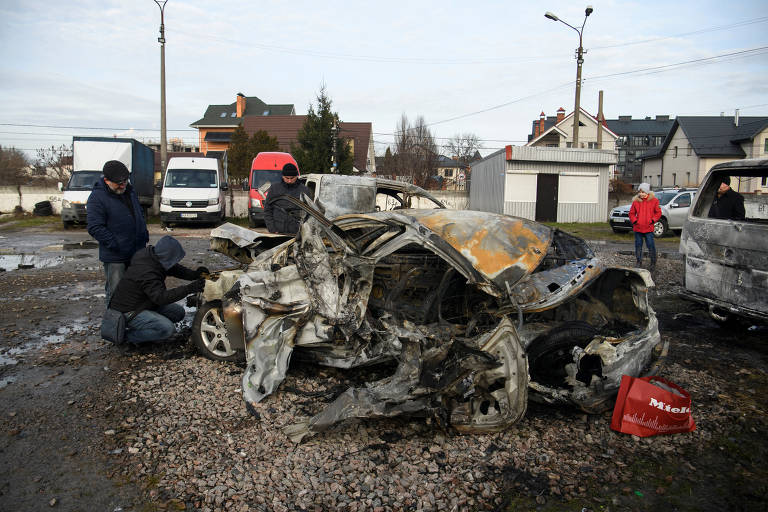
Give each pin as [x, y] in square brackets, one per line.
[544, 184]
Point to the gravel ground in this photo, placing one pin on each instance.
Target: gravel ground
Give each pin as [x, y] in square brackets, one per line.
[172, 426]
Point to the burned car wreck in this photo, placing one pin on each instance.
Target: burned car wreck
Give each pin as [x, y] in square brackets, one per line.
[477, 310]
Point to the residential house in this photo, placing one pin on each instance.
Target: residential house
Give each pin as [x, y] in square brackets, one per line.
[546, 184]
[695, 143]
[215, 128]
[632, 137]
[280, 121]
[636, 137]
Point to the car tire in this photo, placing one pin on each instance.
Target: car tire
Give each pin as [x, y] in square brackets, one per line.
[660, 228]
[616, 230]
[210, 335]
[67, 224]
[550, 352]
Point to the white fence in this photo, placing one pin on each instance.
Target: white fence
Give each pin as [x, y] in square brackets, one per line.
[26, 197]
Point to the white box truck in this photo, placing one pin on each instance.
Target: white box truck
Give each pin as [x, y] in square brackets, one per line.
[89, 154]
[193, 191]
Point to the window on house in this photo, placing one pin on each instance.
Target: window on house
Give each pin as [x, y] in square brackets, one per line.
[592, 145]
[223, 114]
[674, 178]
[674, 154]
[551, 145]
[687, 178]
[449, 173]
[266, 113]
[233, 114]
[569, 144]
[638, 140]
[690, 150]
[765, 149]
[658, 140]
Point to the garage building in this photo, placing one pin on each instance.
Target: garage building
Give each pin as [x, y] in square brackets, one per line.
[544, 184]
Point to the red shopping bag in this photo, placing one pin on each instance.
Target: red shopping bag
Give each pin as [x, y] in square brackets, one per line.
[647, 406]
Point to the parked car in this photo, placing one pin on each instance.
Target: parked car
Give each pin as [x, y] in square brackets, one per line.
[726, 261]
[674, 204]
[476, 309]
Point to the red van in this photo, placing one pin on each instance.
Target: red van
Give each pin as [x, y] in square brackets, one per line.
[266, 167]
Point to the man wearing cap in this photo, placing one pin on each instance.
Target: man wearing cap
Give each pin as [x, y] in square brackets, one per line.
[116, 221]
[643, 214]
[280, 216]
[142, 296]
[728, 204]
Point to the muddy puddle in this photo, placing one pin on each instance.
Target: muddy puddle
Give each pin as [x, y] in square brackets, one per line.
[11, 356]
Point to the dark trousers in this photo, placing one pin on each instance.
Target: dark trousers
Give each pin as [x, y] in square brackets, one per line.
[649, 242]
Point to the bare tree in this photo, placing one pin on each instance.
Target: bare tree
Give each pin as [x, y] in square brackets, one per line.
[463, 147]
[416, 153]
[53, 163]
[13, 167]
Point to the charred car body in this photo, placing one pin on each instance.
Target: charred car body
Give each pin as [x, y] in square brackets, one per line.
[476, 309]
[726, 261]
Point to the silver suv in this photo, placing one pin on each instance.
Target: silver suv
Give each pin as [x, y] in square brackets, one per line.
[674, 203]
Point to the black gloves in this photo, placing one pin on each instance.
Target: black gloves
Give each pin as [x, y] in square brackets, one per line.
[202, 271]
[196, 286]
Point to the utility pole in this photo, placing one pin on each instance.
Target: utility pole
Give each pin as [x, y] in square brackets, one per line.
[579, 61]
[163, 140]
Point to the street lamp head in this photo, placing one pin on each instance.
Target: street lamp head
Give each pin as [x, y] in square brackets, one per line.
[551, 16]
[588, 10]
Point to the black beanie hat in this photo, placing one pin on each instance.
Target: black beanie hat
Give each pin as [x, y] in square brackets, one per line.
[726, 180]
[290, 170]
[115, 171]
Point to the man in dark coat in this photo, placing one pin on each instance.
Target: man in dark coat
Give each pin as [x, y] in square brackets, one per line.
[141, 294]
[116, 221]
[280, 216]
[728, 203]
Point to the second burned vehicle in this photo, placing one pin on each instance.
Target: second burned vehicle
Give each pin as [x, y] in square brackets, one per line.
[476, 309]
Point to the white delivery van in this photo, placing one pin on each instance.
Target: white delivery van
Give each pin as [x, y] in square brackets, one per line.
[193, 191]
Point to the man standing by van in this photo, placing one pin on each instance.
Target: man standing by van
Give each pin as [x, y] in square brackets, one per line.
[728, 203]
[280, 216]
[116, 221]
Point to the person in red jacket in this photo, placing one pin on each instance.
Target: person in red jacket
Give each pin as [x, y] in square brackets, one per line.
[643, 214]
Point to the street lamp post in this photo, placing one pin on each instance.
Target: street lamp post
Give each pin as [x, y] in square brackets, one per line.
[579, 61]
[161, 40]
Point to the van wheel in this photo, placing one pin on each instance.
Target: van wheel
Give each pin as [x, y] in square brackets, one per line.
[660, 228]
[210, 335]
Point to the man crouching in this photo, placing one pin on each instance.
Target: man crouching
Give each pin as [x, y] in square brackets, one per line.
[142, 296]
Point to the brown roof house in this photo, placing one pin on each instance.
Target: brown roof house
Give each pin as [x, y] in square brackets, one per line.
[280, 121]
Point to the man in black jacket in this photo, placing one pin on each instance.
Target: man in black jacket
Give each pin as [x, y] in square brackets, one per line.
[141, 294]
[280, 216]
[728, 203]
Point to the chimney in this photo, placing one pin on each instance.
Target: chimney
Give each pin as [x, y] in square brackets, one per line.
[560, 114]
[240, 104]
[538, 127]
[736, 118]
[600, 120]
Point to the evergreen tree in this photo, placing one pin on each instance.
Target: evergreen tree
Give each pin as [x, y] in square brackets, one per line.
[261, 141]
[320, 142]
[239, 157]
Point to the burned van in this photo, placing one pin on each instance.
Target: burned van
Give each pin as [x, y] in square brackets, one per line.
[726, 252]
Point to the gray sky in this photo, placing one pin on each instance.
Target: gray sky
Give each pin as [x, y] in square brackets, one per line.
[486, 67]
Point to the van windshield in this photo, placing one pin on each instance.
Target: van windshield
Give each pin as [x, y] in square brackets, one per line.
[191, 178]
[83, 180]
[260, 177]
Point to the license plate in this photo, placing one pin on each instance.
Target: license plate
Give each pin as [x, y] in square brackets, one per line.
[188, 215]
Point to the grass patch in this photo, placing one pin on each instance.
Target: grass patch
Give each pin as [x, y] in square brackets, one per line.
[26, 220]
[603, 231]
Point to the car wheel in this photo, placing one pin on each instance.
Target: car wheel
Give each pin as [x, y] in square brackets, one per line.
[67, 224]
[616, 230]
[549, 353]
[660, 228]
[210, 335]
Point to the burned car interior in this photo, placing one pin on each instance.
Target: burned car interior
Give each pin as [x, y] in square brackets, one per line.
[476, 310]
